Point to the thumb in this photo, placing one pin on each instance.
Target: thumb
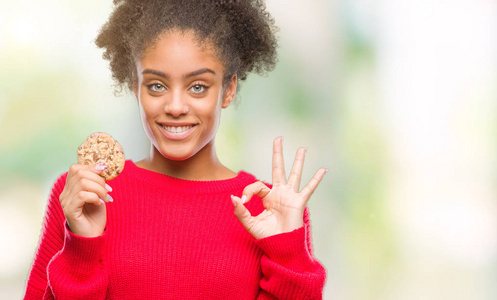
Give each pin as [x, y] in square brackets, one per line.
[241, 212]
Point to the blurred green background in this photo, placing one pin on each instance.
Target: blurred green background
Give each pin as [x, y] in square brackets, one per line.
[395, 98]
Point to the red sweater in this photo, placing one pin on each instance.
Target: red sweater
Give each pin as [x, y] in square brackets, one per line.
[168, 238]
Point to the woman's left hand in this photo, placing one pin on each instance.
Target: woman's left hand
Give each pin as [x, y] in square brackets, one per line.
[284, 204]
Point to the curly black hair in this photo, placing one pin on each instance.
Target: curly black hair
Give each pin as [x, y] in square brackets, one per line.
[242, 31]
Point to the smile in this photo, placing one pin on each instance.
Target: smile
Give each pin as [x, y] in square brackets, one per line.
[177, 129]
[177, 132]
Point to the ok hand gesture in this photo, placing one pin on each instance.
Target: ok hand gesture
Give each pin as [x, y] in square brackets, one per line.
[284, 205]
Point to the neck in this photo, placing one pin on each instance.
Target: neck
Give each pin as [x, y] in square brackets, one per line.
[204, 165]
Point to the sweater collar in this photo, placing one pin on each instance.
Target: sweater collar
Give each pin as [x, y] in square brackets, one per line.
[166, 182]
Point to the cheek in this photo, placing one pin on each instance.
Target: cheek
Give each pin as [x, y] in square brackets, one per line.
[149, 108]
[145, 120]
[213, 121]
[147, 115]
[211, 112]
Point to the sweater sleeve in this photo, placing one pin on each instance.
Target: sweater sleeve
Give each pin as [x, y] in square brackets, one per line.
[66, 266]
[289, 269]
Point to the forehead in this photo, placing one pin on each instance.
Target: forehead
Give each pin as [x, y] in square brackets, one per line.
[180, 48]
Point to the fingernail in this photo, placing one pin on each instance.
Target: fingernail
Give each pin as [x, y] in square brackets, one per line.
[233, 200]
[325, 171]
[100, 167]
[108, 188]
[102, 200]
[243, 199]
[109, 198]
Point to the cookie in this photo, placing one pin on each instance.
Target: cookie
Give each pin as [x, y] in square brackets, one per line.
[101, 148]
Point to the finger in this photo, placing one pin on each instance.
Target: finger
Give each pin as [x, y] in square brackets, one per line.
[279, 176]
[296, 173]
[76, 172]
[313, 184]
[97, 169]
[89, 185]
[80, 200]
[79, 172]
[257, 188]
[242, 213]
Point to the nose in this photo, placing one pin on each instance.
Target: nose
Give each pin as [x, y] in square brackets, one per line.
[176, 105]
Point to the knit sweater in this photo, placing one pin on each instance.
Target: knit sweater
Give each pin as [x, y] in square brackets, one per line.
[168, 238]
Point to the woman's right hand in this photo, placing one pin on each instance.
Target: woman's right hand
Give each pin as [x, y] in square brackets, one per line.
[83, 200]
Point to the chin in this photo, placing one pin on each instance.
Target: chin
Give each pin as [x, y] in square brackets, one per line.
[176, 155]
[177, 158]
[182, 151]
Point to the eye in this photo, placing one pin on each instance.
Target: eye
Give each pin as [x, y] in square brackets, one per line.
[156, 87]
[198, 88]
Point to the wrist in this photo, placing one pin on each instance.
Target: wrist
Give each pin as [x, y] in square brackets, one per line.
[82, 231]
[287, 249]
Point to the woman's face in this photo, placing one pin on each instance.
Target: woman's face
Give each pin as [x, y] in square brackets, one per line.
[180, 94]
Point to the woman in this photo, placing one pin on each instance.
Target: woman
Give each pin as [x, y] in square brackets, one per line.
[179, 224]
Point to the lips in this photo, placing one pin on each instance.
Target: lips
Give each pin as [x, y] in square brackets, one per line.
[177, 131]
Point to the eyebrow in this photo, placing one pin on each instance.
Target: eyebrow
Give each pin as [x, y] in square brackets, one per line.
[191, 74]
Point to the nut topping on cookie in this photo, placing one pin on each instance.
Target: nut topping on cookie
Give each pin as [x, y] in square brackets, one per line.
[101, 148]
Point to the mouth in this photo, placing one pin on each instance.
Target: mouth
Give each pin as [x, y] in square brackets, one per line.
[177, 129]
[178, 132]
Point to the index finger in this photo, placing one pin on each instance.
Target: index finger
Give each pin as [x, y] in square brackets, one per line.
[88, 171]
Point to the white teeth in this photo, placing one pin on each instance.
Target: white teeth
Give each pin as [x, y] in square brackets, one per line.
[177, 129]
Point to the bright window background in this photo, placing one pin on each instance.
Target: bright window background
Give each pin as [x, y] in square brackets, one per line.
[396, 98]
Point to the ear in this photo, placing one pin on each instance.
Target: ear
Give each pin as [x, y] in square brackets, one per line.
[230, 92]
